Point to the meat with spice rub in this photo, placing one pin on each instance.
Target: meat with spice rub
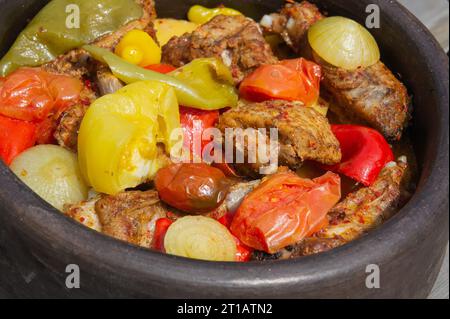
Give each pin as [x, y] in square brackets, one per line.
[237, 40]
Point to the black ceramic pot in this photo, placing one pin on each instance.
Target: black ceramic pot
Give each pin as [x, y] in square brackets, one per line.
[37, 242]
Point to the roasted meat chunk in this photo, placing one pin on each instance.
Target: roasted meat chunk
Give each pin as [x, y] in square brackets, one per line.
[293, 23]
[369, 96]
[303, 133]
[131, 216]
[66, 133]
[356, 215]
[237, 40]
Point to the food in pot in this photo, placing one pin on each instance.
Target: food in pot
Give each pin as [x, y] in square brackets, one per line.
[366, 92]
[128, 95]
[236, 40]
[53, 173]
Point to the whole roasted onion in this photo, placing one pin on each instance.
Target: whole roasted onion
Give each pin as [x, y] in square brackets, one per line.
[343, 43]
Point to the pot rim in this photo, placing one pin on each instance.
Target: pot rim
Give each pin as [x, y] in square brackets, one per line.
[38, 219]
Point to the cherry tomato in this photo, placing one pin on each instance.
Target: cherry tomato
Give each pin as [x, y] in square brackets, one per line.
[291, 80]
[285, 209]
[192, 188]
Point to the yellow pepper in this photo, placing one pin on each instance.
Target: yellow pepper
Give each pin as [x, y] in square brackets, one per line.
[119, 136]
[200, 15]
[139, 48]
[166, 29]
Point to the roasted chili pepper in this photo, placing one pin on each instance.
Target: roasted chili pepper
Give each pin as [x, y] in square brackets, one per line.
[199, 14]
[291, 80]
[138, 47]
[205, 84]
[195, 123]
[285, 209]
[365, 152]
[161, 68]
[161, 228]
[192, 188]
[15, 137]
[52, 33]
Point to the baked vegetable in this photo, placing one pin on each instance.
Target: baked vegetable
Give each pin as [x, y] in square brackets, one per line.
[205, 84]
[15, 137]
[201, 238]
[285, 209]
[48, 35]
[365, 152]
[343, 43]
[192, 188]
[138, 47]
[166, 29]
[117, 143]
[200, 15]
[290, 80]
[53, 173]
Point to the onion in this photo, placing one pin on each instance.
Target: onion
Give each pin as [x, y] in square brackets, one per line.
[343, 43]
[199, 237]
[53, 173]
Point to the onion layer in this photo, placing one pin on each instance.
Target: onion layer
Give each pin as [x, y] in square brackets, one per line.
[199, 237]
[343, 43]
[53, 173]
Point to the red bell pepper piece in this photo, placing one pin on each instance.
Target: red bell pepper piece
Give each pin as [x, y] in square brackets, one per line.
[161, 68]
[365, 152]
[291, 80]
[15, 137]
[161, 228]
[244, 252]
[194, 123]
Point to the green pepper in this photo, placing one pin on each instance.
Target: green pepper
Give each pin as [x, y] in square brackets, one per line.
[54, 30]
[205, 84]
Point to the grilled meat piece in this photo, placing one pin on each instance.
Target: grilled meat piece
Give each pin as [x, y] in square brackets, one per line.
[106, 82]
[359, 213]
[303, 133]
[66, 133]
[237, 40]
[131, 216]
[370, 96]
[293, 23]
[85, 214]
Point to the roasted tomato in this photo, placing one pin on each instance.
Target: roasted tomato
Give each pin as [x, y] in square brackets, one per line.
[194, 123]
[291, 80]
[15, 137]
[31, 94]
[285, 209]
[192, 188]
